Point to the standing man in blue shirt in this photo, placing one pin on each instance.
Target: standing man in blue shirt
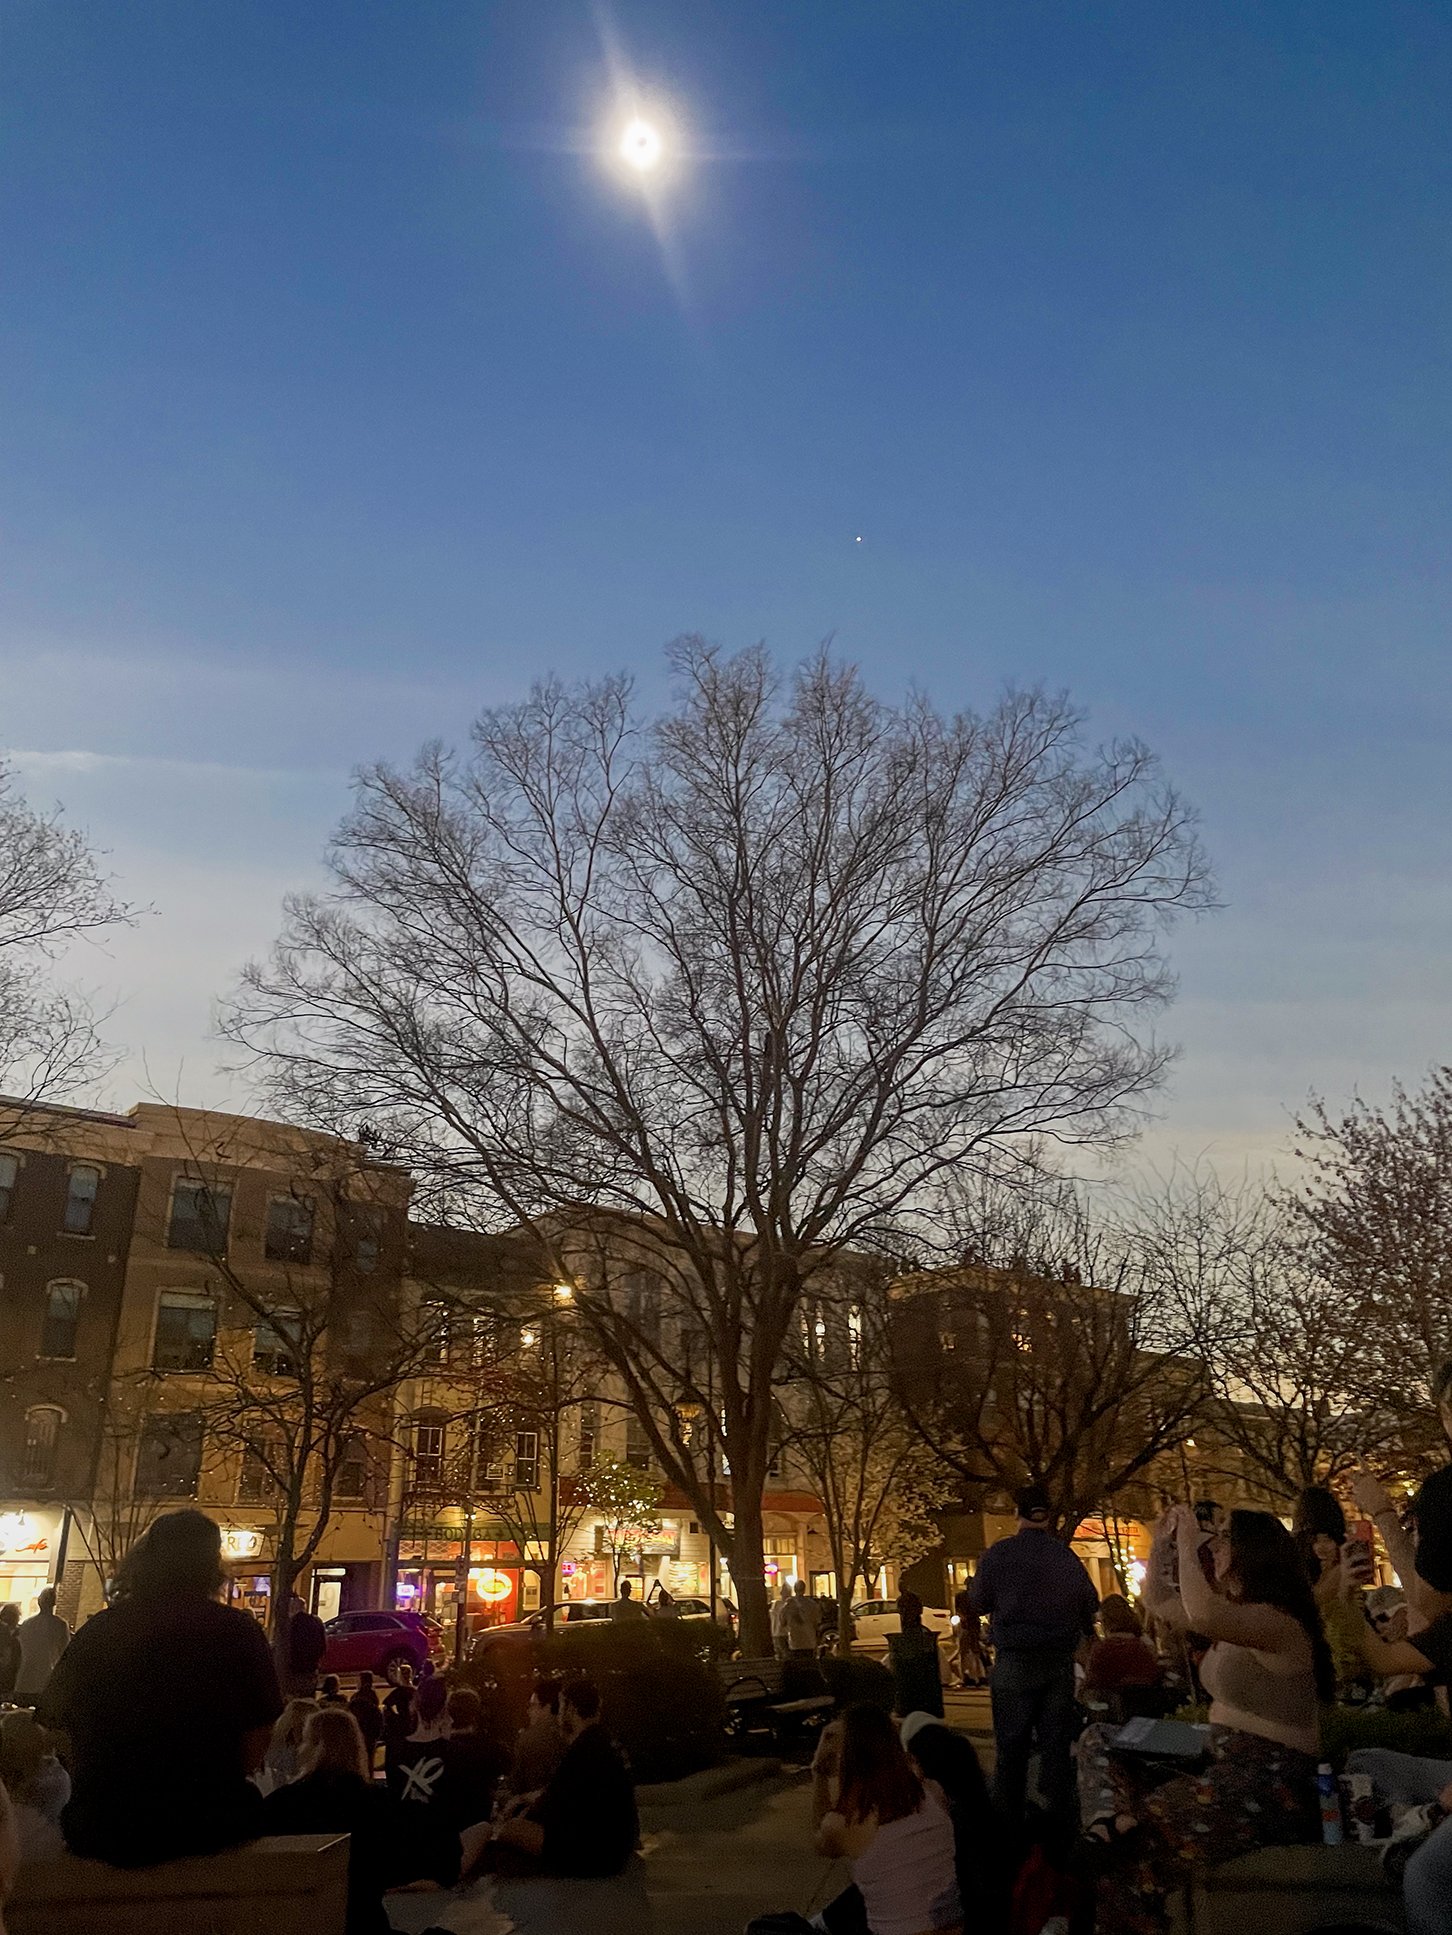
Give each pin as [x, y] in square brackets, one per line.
[1040, 1604]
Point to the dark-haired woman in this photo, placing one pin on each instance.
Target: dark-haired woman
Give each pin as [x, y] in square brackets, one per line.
[949, 1764]
[872, 1810]
[1267, 1670]
[168, 1699]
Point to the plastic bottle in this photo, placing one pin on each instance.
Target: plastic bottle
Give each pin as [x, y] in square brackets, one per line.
[1330, 1805]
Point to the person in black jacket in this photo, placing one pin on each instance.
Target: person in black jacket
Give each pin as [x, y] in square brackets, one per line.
[306, 1643]
[389, 1846]
[9, 1648]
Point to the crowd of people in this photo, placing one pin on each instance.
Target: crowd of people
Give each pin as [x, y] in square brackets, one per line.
[163, 1728]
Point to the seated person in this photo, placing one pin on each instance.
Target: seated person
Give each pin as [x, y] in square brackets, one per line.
[390, 1845]
[541, 1745]
[948, 1765]
[584, 1823]
[415, 1767]
[168, 1701]
[366, 1710]
[473, 1762]
[330, 1693]
[37, 1784]
[1121, 1663]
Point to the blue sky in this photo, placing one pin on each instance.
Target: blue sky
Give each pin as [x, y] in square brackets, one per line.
[343, 391]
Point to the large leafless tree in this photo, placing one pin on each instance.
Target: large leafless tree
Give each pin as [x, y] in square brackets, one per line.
[753, 975]
[52, 893]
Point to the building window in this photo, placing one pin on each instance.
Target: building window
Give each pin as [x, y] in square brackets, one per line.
[256, 1484]
[637, 1445]
[169, 1460]
[186, 1329]
[9, 1170]
[526, 1461]
[428, 1454]
[434, 1333]
[42, 1435]
[367, 1239]
[854, 1335]
[277, 1344]
[81, 1189]
[589, 1434]
[200, 1213]
[350, 1486]
[288, 1237]
[62, 1315]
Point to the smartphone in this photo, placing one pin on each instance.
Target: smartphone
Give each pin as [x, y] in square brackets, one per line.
[1356, 1557]
[1209, 1515]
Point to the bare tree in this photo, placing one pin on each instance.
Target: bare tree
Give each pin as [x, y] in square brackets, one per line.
[1059, 1356]
[878, 1481]
[749, 977]
[627, 1501]
[1375, 1219]
[51, 893]
[1288, 1358]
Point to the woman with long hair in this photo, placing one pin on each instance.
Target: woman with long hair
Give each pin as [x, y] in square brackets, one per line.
[872, 1810]
[948, 1764]
[1267, 1670]
[334, 1793]
[284, 1751]
[169, 1700]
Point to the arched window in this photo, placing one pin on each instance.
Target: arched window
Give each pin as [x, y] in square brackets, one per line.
[62, 1315]
[42, 1434]
[81, 1198]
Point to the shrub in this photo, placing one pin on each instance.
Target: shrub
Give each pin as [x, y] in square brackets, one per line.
[659, 1698]
[854, 1679]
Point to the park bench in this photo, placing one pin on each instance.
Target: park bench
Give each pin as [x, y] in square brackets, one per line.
[1292, 1891]
[783, 1698]
[285, 1885]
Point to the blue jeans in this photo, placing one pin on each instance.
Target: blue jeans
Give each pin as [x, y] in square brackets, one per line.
[1427, 1883]
[1033, 1707]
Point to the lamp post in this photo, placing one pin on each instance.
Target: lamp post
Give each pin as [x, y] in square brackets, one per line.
[689, 1406]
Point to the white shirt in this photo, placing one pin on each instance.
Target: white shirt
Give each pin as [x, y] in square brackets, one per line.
[802, 1626]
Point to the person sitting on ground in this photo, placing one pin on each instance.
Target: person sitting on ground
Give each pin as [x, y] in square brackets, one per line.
[389, 1846]
[915, 1661]
[584, 1823]
[366, 1710]
[398, 1716]
[284, 1750]
[1267, 1667]
[168, 1700]
[871, 1809]
[9, 1650]
[626, 1606]
[541, 1744]
[43, 1638]
[37, 1784]
[415, 1772]
[473, 1761]
[330, 1693]
[948, 1764]
[1121, 1664]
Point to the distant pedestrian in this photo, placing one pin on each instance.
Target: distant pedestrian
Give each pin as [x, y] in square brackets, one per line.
[306, 1644]
[915, 1662]
[626, 1606]
[778, 1621]
[971, 1670]
[365, 1709]
[9, 1649]
[330, 1693]
[1041, 1605]
[43, 1638]
[801, 1624]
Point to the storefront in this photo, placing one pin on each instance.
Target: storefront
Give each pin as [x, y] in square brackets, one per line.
[501, 1586]
[31, 1538]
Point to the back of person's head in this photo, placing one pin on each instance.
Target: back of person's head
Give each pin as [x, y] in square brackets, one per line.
[800, 1588]
[405, 1673]
[877, 1777]
[465, 1709]
[1031, 1503]
[1318, 1524]
[332, 1743]
[1116, 1615]
[432, 1698]
[9, 1613]
[45, 1599]
[329, 1687]
[582, 1697]
[910, 1610]
[288, 1731]
[1266, 1570]
[625, 1588]
[1432, 1509]
[365, 1682]
[24, 1745]
[179, 1556]
[546, 1692]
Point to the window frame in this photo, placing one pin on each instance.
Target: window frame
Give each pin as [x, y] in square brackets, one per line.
[287, 1353]
[47, 1318]
[180, 1426]
[214, 1192]
[32, 1478]
[81, 1169]
[8, 1188]
[183, 1299]
[293, 1246]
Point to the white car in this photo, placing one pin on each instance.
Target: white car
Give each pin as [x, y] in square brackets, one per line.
[876, 1618]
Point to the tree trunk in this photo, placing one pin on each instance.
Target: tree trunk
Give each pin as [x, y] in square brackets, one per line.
[748, 1575]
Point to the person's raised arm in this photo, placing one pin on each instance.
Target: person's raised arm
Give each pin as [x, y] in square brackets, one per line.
[1374, 1499]
[1161, 1598]
[1265, 1628]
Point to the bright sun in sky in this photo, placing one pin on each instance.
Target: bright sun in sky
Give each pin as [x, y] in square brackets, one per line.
[641, 145]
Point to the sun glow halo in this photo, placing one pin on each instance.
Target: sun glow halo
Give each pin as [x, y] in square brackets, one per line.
[641, 145]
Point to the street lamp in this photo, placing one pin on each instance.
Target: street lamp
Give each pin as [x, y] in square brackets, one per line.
[689, 1406]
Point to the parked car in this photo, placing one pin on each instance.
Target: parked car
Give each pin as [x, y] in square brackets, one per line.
[380, 1642]
[569, 1614]
[874, 1619]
